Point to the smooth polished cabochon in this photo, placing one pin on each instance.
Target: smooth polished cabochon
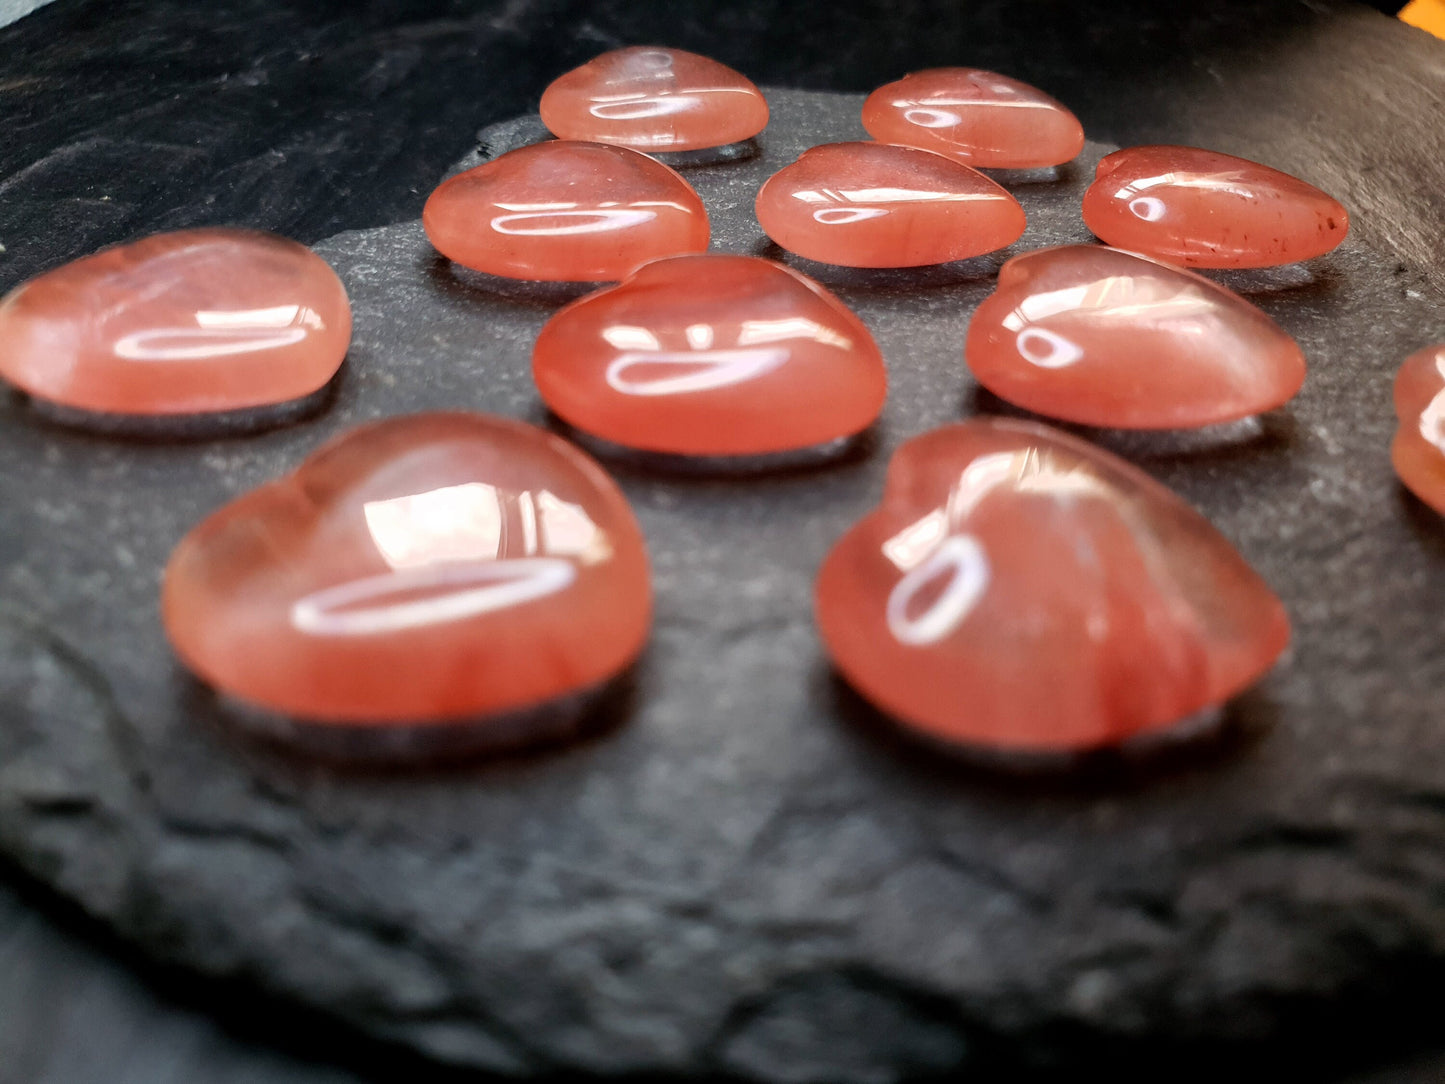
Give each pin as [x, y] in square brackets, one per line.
[711, 355]
[1102, 337]
[427, 568]
[654, 99]
[979, 117]
[1201, 208]
[878, 205]
[565, 211]
[1418, 451]
[1020, 589]
[192, 322]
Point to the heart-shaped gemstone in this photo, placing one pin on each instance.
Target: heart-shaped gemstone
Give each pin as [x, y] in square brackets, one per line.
[878, 205]
[711, 355]
[979, 117]
[1205, 209]
[1018, 588]
[1103, 337]
[192, 322]
[654, 99]
[1419, 448]
[422, 569]
[563, 211]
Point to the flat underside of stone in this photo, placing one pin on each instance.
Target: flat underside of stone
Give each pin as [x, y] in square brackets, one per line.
[747, 874]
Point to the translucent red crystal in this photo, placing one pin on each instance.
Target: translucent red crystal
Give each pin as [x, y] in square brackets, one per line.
[196, 321]
[878, 205]
[565, 211]
[1419, 448]
[1205, 209]
[979, 117]
[654, 99]
[711, 355]
[1018, 588]
[1103, 337]
[419, 569]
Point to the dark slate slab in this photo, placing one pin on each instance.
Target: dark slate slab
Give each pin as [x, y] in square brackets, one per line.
[747, 874]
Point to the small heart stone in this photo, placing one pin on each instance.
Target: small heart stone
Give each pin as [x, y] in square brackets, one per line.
[1102, 337]
[711, 355]
[1022, 590]
[1205, 209]
[423, 569]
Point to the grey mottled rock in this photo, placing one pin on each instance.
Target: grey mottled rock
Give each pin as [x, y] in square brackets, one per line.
[745, 876]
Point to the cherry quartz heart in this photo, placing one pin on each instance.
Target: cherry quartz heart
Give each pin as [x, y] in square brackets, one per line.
[979, 117]
[564, 211]
[1020, 589]
[421, 569]
[192, 322]
[654, 99]
[1205, 209]
[711, 355]
[1102, 337]
[878, 205]
[1419, 448]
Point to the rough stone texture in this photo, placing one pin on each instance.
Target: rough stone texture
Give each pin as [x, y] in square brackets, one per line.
[748, 875]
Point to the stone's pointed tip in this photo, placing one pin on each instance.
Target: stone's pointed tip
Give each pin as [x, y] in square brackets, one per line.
[1201, 208]
[419, 570]
[195, 322]
[565, 211]
[1101, 337]
[879, 205]
[1418, 450]
[1122, 610]
[651, 98]
[979, 117]
[711, 355]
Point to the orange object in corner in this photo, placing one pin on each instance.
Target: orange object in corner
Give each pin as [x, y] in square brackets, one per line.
[1428, 15]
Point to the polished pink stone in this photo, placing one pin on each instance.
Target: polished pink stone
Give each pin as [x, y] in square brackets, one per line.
[878, 205]
[711, 355]
[979, 117]
[1020, 589]
[197, 321]
[565, 211]
[1419, 449]
[1205, 209]
[422, 569]
[654, 99]
[1103, 337]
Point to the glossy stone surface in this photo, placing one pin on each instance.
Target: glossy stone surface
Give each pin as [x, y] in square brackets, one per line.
[1205, 209]
[1418, 451]
[423, 569]
[1018, 588]
[979, 117]
[565, 211]
[196, 321]
[878, 205]
[1109, 338]
[654, 99]
[711, 355]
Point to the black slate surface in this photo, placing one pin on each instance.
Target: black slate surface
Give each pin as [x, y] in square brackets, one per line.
[745, 877]
[126, 117]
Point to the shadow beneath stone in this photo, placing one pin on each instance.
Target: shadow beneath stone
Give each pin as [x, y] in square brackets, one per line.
[1427, 525]
[1273, 432]
[182, 428]
[1202, 742]
[709, 156]
[889, 279]
[622, 460]
[1314, 276]
[458, 281]
[389, 748]
[1010, 178]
